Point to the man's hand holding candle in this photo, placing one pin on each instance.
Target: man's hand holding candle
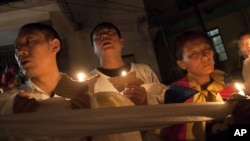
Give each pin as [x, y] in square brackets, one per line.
[135, 93]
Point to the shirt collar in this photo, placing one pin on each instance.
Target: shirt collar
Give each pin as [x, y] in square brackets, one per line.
[34, 88]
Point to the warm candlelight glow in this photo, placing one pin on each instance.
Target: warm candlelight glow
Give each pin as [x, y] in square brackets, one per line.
[81, 77]
[240, 88]
[123, 73]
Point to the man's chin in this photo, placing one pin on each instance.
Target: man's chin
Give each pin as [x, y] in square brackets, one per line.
[109, 46]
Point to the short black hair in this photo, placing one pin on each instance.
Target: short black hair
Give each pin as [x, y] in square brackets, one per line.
[243, 33]
[47, 30]
[104, 25]
[183, 38]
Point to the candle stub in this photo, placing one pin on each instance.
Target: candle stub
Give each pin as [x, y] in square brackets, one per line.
[239, 87]
[119, 81]
[81, 77]
[123, 73]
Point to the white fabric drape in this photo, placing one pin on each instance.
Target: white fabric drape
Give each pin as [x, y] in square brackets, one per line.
[59, 121]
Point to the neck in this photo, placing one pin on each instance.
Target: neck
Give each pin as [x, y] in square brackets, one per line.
[111, 62]
[47, 81]
[202, 80]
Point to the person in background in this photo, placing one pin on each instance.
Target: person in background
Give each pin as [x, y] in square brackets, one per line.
[108, 44]
[36, 48]
[195, 54]
[9, 77]
[243, 41]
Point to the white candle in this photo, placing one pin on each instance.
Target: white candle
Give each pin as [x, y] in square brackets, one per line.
[81, 76]
[240, 88]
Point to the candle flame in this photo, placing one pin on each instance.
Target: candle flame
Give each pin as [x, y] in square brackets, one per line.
[240, 88]
[123, 73]
[81, 76]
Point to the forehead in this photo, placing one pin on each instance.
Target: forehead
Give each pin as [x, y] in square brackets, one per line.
[245, 37]
[195, 43]
[103, 28]
[26, 33]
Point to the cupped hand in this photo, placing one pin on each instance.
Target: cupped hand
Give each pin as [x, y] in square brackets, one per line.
[136, 93]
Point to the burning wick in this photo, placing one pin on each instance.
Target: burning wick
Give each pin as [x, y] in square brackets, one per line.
[240, 88]
[123, 73]
[81, 77]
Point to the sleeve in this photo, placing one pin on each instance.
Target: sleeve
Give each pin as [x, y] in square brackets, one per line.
[146, 73]
[155, 92]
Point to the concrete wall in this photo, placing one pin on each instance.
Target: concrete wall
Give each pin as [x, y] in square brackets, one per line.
[80, 54]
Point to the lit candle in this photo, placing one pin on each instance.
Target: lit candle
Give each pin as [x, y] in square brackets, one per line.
[123, 73]
[240, 88]
[81, 77]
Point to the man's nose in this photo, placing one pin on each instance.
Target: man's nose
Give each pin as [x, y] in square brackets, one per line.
[203, 53]
[104, 36]
[21, 52]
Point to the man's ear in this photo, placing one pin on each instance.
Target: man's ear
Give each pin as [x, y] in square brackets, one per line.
[95, 49]
[181, 64]
[56, 46]
[122, 42]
